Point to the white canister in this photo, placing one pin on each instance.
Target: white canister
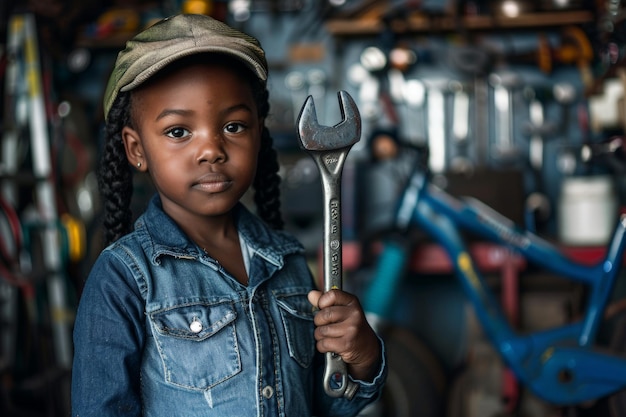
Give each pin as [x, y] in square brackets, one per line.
[587, 210]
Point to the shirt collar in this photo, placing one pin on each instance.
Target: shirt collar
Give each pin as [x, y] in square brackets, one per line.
[160, 235]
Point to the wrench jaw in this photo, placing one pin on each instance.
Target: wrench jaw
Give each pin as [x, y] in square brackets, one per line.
[315, 137]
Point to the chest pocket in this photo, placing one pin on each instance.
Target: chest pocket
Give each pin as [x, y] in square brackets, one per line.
[197, 344]
[297, 316]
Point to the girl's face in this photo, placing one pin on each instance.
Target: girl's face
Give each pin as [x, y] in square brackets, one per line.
[197, 132]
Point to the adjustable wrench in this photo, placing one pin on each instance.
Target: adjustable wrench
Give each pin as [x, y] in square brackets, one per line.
[329, 147]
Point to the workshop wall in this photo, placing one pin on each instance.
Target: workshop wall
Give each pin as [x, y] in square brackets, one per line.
[482, 98]
[516, 103]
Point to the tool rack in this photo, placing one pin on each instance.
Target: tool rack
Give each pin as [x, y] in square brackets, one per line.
[34, 279]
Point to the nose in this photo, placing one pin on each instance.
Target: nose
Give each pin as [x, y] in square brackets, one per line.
[211, 149]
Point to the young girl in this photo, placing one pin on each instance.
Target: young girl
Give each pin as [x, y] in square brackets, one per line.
[202, 308]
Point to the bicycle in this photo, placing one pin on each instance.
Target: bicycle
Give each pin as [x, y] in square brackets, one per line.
[563, 365]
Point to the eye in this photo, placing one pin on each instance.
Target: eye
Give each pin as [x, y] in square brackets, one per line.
[234, 128]
[177, 132]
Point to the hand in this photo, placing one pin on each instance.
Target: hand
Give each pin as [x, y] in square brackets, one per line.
[341, 328]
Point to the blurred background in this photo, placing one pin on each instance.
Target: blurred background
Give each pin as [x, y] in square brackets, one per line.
[520, 104]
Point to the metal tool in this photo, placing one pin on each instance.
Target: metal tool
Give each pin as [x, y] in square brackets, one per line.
[504, 85]
[317, 81]
[414, 94]
[23, 43]
[538, 206]
[329, 147]
[369, 88]
[460, 162]
[460, 111]
[436, 114]
[565, 94]
[295, 82]
[536, 145]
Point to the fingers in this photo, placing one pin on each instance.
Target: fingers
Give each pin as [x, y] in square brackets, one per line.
[341, 327]
[337, 321]
[332, 298]
[334, 307]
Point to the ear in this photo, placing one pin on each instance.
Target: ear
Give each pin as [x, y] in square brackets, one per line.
[134, 148]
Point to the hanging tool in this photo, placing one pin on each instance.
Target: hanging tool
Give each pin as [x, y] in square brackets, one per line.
[474, 63]
[538, 206]
[504, 85]
[23, 49]
[329, 147]
[437, 137]
[460, 112]
[295, 82]
[565, 94]
[369, 88]
[461, 162]
[317, 79]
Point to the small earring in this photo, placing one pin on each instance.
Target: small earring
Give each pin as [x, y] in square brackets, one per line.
[138, 164]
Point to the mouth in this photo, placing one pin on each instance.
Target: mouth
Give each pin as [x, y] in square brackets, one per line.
[212, 183]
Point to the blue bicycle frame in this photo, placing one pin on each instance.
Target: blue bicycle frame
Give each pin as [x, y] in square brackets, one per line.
[560, 365]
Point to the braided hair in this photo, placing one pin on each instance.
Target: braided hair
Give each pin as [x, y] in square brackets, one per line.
[266, 181]
[115, 176]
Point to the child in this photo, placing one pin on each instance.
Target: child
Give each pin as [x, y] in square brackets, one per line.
[203, 309]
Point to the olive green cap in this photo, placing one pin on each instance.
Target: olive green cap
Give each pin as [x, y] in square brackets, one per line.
[173, 38]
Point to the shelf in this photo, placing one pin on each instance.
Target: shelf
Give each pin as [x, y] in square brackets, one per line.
[423, 23]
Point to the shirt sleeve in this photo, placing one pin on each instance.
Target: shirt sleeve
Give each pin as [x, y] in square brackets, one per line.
[109, 335]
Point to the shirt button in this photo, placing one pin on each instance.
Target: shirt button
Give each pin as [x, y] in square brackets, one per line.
[195, 326]
[268, 392]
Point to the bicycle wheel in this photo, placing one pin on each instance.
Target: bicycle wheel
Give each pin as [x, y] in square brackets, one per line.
[416, 381]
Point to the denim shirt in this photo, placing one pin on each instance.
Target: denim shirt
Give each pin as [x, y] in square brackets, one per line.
[163, 330]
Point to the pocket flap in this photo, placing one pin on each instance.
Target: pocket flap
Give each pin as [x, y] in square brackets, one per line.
[194, 321]
[297, 305]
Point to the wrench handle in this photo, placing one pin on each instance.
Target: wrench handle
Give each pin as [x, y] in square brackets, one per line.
[330, 164]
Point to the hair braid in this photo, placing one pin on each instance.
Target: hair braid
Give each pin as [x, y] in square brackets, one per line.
[267, 181]
[114, 175]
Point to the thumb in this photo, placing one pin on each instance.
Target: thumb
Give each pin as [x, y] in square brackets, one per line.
[314, 297]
